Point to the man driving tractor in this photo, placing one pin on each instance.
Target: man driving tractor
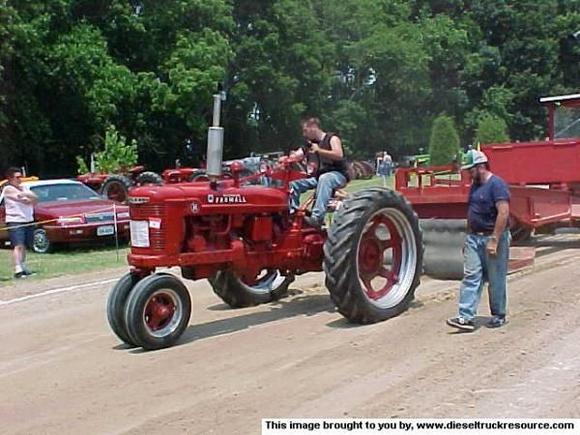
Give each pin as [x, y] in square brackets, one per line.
[330, 172]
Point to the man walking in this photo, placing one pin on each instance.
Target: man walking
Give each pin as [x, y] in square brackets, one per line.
[19, 205]
[486, 249]
[330, 170]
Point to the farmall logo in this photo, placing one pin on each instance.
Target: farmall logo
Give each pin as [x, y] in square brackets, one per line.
[226, 199]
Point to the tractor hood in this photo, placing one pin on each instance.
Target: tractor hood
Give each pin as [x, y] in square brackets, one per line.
[203, 200]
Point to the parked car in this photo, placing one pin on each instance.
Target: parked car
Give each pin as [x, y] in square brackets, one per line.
[75, 213]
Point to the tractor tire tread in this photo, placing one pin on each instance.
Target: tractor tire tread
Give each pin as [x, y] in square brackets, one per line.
[340, 255]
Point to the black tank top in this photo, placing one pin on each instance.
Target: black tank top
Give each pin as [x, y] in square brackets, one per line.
[325, 164]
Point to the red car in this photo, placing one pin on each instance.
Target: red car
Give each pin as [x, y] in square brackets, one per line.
[75, 213]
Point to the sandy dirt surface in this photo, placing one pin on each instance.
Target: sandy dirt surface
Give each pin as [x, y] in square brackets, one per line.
[63, 371]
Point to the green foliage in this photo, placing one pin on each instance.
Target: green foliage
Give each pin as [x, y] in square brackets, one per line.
[491, 129]
[118, 156]
[378, 72]
[444, 143]
[82, 167]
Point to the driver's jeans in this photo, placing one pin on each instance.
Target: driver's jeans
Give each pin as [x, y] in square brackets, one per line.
[324, 185]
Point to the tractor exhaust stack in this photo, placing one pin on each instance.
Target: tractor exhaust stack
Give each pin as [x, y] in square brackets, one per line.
[215, 140]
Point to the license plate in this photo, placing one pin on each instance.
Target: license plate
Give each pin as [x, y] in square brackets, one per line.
[107, 230]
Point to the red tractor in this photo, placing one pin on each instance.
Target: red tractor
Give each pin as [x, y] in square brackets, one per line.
[116, 186]
[242, 237]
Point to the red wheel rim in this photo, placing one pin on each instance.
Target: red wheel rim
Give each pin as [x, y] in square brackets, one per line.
[159, 311]
[379, 238]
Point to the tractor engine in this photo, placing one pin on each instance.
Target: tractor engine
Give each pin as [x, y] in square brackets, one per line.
[205, 229]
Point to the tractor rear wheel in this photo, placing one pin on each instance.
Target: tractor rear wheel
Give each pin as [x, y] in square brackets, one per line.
[116, 306]
[157, 311]
[271, 285]
[116, 188]
[149, 177]
[373, 256]
[199, 175]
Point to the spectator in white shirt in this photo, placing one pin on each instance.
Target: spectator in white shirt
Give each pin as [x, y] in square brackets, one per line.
[19, 205]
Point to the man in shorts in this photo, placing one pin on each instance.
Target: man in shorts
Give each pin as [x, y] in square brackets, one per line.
[19, 204]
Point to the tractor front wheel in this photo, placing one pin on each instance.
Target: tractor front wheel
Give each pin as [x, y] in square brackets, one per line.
[373, 256]
[270, 285]
[157, 311]
[116, 306]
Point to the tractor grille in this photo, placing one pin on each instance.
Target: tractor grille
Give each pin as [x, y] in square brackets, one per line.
[157, 239]
[147, 212]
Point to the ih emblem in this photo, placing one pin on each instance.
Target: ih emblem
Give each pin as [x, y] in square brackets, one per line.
[226, 199]
[195, 207]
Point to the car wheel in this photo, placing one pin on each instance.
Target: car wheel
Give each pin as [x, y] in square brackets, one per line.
[41, 244]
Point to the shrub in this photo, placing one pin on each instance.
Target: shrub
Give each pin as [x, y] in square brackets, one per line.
[444, 143]
[491, 129]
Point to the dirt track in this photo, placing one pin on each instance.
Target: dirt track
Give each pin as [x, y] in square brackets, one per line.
[62, 370]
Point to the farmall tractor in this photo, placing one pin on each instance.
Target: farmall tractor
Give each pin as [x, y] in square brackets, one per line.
[242, 238]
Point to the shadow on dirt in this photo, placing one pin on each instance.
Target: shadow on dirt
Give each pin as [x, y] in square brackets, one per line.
[307, 305]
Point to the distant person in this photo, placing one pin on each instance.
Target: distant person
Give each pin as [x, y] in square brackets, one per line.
[19, 205]
[388, 160]
[486, 248]
[385, 167]
[378, 162]
[330, 170]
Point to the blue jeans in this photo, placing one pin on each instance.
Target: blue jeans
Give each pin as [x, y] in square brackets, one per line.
[324, 186]
[479, 267]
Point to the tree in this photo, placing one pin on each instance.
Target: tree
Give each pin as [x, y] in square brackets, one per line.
[375, 71]
[117, 155]
[444, 143]
[491, 129]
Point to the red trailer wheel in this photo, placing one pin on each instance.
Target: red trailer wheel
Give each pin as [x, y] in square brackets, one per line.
[373, 256]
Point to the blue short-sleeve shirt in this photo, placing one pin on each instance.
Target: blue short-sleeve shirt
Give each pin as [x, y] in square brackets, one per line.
[482, 211]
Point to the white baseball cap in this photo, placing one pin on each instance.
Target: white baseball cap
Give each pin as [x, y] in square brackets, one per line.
[474, 158]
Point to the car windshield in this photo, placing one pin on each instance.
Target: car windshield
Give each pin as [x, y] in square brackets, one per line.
[567, 122]
[64, 192]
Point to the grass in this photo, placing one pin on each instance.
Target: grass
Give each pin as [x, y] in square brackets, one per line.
[67, 261]
[355, 185]
[71, 260]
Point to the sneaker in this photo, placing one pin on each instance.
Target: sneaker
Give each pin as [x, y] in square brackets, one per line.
[461, 323]
[313, 222]
[29, 272]
[497, 322]
[20, 275]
